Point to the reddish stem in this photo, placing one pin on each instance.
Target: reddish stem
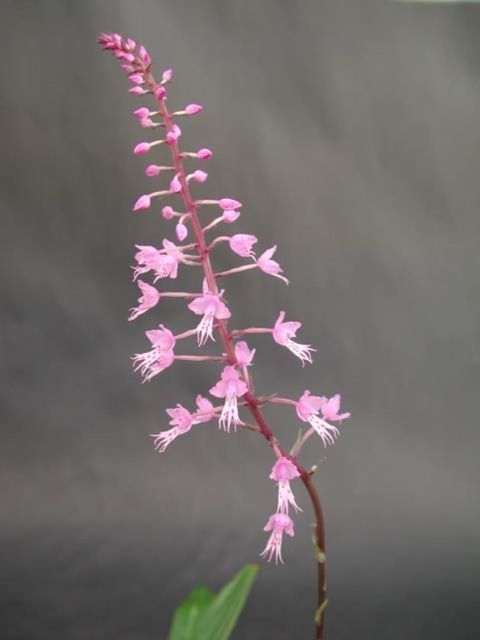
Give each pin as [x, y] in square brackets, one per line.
[250, 400]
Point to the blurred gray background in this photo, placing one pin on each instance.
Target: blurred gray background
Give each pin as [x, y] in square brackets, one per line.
[350, 130]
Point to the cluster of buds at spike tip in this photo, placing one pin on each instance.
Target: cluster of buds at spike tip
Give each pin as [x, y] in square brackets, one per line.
[232, 385]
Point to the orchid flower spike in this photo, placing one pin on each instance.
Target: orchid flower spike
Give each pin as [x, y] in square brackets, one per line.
[235, 384]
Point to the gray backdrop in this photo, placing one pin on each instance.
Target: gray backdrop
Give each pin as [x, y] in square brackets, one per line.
[350, 130]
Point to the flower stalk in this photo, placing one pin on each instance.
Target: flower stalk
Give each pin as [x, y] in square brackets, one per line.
[235, 385]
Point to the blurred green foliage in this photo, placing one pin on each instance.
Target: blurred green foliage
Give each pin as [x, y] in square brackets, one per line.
[205, 615]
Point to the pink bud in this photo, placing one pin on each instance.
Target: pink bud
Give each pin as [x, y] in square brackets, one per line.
[144, 56]
[152, 170]
[127, 68]
[204, 154]
[128, 57]
[192, 109]
[160, 93]
[229, 203]
[142, 147]
[137, 91]
[167, 213]
[181, 231]
[167, 75]
[142, 203]
[174, 134]
[136, 78]
[143, 112]
[120, 55]
[199, 176]
[146, 123]
[175, 185]
[131, 44]
[229, 216]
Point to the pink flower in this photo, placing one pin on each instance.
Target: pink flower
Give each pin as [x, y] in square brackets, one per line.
[270, 266]
[243, 354]
[141, 148]
[331, 407]
[229, 203]
[192, 109]
[229, 216]
[242, 243]
[159, 357]
[174, 134]
[278, 524]
[204, 154]
[308, 407]
[149, 298]
[283, 471]
[164, 265]
[137, 91]
[182, 421]
[230, 386]
[205, 410]
[142, 203]
[283, 332]
[210, 306]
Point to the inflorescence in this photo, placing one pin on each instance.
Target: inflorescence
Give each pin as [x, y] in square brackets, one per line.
[234, 387]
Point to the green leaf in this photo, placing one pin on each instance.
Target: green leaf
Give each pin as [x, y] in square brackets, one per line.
[188, 613]
[206, 616]
[221, 616]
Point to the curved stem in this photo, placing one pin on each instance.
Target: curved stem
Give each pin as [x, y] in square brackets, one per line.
[251, 402]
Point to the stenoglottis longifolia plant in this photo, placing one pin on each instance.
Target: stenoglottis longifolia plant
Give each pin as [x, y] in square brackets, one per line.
[197, 240]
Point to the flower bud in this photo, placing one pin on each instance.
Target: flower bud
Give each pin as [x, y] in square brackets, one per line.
[192, 109]
[142, 203]
[141, 148]
[137, 91]
[230, 215]
[142, 112]
[167, 213]
[136, 78]
[167, 75]
[181, 231]
[229, 203]
[175, 185]
[204, 154]
[152, 170]
[199, 176]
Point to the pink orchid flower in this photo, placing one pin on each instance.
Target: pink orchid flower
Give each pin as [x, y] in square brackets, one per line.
[230, 386]
[283, 332]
